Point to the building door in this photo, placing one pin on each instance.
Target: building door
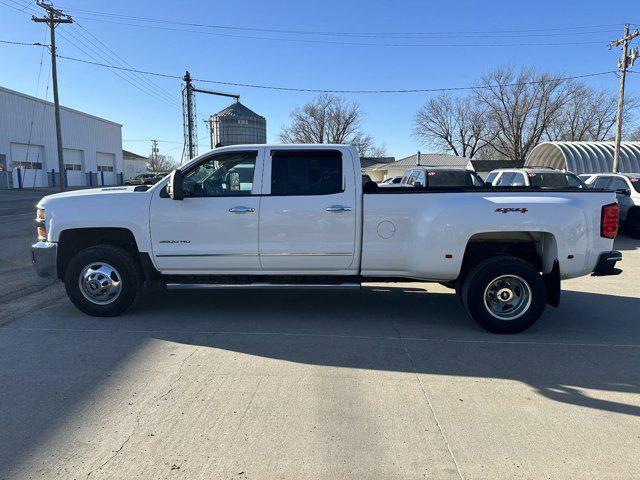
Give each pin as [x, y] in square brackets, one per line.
[74, 167]
[308, 211]
[106, 168]
[27, 163]
[4, 181]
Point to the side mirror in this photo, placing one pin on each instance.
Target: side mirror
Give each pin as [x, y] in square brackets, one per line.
[370, 187]
[624, 191]
[175, 185]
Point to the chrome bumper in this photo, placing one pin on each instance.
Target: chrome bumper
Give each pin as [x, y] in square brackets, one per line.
[43, 256]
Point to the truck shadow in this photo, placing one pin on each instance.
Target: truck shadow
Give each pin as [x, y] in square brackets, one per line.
[54, 363]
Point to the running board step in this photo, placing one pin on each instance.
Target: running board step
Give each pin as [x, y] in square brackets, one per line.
[261, 285]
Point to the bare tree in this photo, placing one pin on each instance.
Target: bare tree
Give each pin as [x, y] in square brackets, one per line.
[635, 135]
[328, 119]
[588, 115]
[521, 106]
[161, 163]
[459, 125]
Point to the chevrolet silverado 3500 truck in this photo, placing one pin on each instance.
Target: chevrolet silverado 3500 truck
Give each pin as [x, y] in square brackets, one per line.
[261, 216]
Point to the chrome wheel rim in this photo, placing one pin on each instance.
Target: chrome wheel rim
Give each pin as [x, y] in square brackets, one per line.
[507, 297]
[100, 283]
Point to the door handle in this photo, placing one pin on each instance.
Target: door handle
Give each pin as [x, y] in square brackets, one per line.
[241, 210]
[338, 208]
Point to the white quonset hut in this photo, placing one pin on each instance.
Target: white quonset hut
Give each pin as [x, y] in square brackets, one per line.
[585, 157]
[29, 153]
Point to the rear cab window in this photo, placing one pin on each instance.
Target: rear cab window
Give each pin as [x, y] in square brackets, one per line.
[555, 180]
[310, 172]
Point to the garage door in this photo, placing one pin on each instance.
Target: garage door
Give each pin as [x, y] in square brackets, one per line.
[74, 167]
[106, 168]
[27, 165]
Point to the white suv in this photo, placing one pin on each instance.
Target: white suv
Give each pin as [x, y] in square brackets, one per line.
[627, 188]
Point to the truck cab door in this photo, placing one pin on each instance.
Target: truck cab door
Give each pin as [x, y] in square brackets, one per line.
[214, 229]
[308, 211]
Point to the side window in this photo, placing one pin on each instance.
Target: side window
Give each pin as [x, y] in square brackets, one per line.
[412, 178]
[226, 174]
[491, 177]
[601, 182]
[518, 180]
[506, 179]
[617, 183]
[421, 178]
[308, 172]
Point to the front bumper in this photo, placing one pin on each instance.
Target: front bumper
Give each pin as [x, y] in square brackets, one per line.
[607, 263]
[43, 256]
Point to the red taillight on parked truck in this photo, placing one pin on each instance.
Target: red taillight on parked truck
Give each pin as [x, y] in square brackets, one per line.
[609, 220]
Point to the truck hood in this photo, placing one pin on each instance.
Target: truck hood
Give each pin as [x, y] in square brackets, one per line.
[91, 194]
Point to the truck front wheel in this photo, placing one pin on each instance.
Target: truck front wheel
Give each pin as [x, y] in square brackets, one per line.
[102, 281]
[504, 294]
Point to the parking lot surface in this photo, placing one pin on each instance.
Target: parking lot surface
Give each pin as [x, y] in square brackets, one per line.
[393, 381]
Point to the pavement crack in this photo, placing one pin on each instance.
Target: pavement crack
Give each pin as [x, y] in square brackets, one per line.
[178, 378]
[423, 389]
[140, 412]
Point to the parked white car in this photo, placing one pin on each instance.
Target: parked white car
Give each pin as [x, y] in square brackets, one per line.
[627, 188]
[534, 177]
[390, 181]
[274, 216]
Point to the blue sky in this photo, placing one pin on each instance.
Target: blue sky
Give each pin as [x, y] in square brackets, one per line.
[269, 61]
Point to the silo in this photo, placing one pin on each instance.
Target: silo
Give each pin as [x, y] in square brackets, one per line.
[237, 124]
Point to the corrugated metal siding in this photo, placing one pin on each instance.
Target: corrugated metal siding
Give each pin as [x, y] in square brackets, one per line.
[585, 157]
[79, 131]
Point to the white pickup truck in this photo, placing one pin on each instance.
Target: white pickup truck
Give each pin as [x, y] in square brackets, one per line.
[262, 216]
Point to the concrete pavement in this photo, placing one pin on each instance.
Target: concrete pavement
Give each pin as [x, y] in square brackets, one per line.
[390, 382]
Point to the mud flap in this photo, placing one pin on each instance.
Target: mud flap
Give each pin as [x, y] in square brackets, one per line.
[552, 282]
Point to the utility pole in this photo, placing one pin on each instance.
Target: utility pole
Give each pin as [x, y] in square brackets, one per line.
[189, 114]
[624, 62]
[53, 18]
[154, 154]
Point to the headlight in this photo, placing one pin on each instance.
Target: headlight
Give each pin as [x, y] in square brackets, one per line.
[42, 231]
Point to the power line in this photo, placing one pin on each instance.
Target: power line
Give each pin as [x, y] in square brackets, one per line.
[363, 44]
[318, 90]
[550, 31]
[34, 44]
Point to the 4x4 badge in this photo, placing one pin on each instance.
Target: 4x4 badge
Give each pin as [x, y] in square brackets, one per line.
[507, 210]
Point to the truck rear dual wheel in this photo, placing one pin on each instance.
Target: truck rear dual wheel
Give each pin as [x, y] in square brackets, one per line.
[103, 281]
[504, 294]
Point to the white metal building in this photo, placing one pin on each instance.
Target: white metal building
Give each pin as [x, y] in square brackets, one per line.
[585, 157]
[134, 164]
[28, 149]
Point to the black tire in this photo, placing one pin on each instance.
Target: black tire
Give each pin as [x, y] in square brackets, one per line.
[527, 283]
[632, 223]
[126, 274]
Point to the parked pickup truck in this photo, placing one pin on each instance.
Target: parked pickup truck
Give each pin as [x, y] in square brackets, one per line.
[273, 216]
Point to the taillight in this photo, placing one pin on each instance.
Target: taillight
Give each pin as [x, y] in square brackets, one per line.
[609, 220]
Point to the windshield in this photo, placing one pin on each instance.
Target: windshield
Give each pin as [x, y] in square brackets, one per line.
[453, 178]
[555, 180]
[635, 181]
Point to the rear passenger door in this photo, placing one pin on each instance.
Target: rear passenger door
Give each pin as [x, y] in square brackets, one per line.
[308, 211]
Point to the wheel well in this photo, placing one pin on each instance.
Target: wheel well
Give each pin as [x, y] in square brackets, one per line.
[73, 240]
[633, 215]
[537, 248]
